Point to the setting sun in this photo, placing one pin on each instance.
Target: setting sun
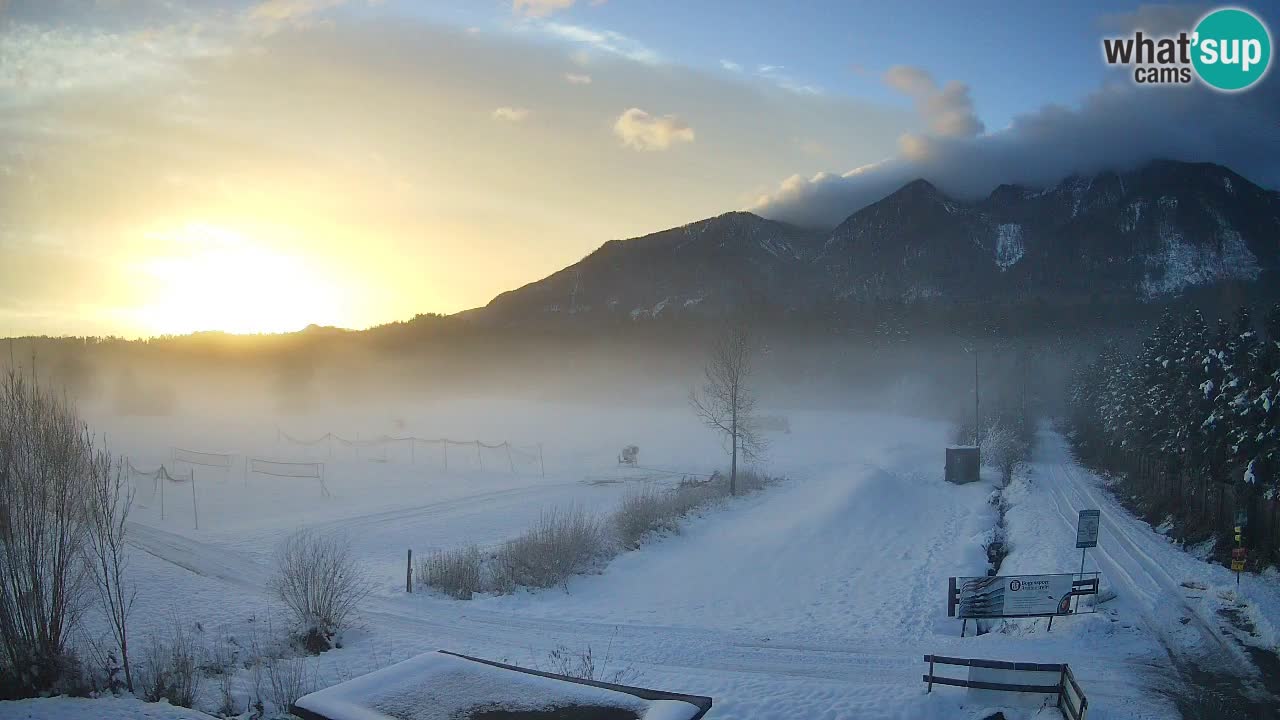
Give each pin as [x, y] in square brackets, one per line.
[218, 279]
[749, 352]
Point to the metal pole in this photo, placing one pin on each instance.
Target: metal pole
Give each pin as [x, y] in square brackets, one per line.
[541, 467]
[1076, 603]
[977, 422]
[509, 461]
[408, 573]
[195, 510]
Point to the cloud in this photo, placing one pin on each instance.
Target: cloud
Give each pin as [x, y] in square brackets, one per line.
[1118, 127]
[577, 78]
[511, 114]
[38, 63]
[605, 41]
[270, 16]
[774, 74]
[948, 109]
[343, 140]
[539, 8]
[731, 66]
[641, 131]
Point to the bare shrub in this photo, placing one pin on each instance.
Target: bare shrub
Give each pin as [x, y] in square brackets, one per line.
[289, 680]
[584, 665]
[317, 577]
[652, 509]
[457, 572]
[752, 480]
[101, 666]
[47, 461]
[170, 668]
[110, 499]
[693, 493]
[563, 543]
[221, 666]
[642, 511]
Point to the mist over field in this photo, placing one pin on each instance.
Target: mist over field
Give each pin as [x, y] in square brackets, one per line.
[616, 360]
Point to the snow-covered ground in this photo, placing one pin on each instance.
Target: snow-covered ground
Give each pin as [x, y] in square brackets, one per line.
[64, 708]
[817, 598]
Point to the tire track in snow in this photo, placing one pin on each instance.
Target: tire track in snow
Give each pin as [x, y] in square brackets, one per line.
[1142, 575]
[659, 647]
[204, 559]
[433, 508]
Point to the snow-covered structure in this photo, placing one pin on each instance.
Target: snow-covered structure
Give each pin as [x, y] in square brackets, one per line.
[445, 686]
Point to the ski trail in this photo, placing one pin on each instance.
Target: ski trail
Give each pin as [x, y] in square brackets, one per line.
[201, 558]
[1126, 554]
[437, 508]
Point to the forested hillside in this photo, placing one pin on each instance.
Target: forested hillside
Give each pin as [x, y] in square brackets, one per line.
[1191, 423]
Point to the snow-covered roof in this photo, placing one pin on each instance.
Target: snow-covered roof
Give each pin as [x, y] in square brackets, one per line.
[443, 686]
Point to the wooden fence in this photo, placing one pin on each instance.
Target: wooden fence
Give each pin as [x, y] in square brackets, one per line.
[1070, 698]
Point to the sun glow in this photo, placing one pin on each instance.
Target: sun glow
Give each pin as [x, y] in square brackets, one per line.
[218, 279]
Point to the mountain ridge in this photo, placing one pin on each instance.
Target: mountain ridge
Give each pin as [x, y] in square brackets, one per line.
[1144, 234]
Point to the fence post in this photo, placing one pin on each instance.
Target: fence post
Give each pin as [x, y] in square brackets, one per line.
[408, 573]
[478, 458]
[1062, 691]
[930, 674]
[444, 444]
[509, 461]
[541, 466]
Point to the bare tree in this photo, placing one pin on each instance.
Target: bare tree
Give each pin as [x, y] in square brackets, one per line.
[726, 403]
[46, 454]
[110, 501]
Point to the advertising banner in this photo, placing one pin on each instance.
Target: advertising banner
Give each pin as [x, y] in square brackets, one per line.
[1014, 596]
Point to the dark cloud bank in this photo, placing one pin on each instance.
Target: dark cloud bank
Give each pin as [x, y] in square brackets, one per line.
[1118, 127]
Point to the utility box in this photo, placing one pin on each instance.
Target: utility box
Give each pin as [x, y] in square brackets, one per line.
[963, 463]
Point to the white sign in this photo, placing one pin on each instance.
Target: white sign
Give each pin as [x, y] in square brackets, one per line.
[1014, 596]
[1087, 529]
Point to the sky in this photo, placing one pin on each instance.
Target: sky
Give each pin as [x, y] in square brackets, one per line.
[262, 165]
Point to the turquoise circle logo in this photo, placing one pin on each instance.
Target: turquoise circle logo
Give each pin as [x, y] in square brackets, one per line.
[1232, 49]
